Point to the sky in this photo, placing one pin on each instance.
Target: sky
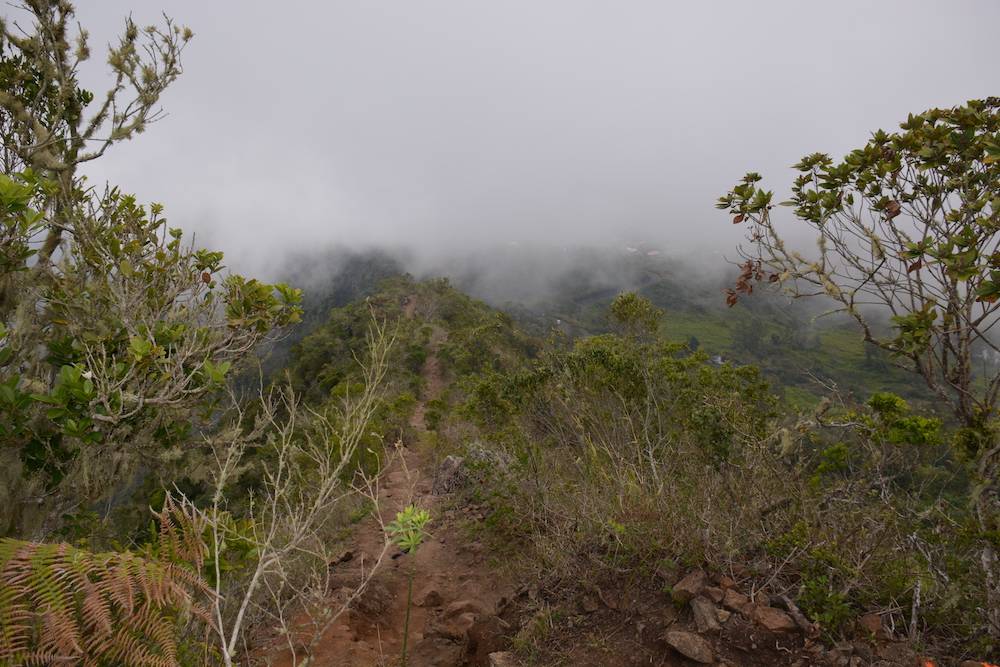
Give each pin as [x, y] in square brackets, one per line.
[446, 125]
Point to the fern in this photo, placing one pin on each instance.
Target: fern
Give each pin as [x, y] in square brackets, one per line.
[64, 605]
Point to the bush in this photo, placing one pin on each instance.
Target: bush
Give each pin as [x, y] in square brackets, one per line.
[626, 454]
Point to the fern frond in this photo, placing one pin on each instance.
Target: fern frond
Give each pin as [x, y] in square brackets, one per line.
[63, 605]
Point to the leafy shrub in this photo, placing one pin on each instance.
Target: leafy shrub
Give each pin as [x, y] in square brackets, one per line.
[627, 453]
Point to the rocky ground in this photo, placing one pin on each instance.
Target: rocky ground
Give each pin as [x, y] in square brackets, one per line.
[707, 620]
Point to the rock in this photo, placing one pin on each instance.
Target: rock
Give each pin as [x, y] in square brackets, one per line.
[473, 607]
[430, 597]
[503, 659]
[866, 653]
[714, 594]
[691, 646]
[722, 615]
[689, 587]
[800, 619]
[485, 637]
[733, 600]
[762, 599]
[454, 627]
[726, 582]
[434, 650]
[871, 623]
[704, 615]
[774, 620]
[450, 475]
[374, 601]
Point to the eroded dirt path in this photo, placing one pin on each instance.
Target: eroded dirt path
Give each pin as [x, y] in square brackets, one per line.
[455, 592]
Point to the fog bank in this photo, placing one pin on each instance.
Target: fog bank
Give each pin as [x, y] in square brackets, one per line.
[441, 126]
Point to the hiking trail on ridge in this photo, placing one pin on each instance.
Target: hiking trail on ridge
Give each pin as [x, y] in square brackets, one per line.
[454, 589]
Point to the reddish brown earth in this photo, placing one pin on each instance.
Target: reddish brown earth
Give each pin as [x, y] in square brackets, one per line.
[455, 592]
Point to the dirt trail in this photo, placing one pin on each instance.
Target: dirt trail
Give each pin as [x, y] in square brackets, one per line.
[452, 582]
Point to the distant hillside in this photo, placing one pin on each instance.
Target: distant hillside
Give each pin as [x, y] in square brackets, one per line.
[330, 279]
[805, 356]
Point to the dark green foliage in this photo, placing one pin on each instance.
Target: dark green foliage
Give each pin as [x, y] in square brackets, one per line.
[124, 343]
[635, 315]
[607, 380]
[619, 453]
[470, 338]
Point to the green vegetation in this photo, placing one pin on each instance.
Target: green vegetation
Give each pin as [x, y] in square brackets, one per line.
[829, 353]
[407, 532]
[119, 345]
[907, 224]
[615, 455]
[166, 498]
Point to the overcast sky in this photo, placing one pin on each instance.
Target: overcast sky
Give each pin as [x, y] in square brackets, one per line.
[440, 124]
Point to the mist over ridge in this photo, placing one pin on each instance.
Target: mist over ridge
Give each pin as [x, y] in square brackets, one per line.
[500, 334]
[524, 274]
[443, 128]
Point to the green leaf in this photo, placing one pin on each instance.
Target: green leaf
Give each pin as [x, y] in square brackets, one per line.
[140, 347]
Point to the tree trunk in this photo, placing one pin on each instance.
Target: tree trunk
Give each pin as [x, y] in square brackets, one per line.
[987, 510]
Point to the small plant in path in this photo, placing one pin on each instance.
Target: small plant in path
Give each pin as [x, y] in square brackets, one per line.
[407, 531]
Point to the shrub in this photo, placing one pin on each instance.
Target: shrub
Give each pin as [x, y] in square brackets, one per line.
[625, 454]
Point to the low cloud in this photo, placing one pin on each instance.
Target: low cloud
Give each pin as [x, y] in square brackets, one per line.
[444, 126]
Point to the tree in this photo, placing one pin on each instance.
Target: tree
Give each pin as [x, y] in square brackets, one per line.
[906, 225]
[117, 342]
[635, 315]
[748, 336]
[44, 126]
[113, 330]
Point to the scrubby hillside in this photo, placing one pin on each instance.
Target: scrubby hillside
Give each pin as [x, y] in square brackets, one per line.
[324, 363]
[606, 466]
[803, 351]
[612, 479]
